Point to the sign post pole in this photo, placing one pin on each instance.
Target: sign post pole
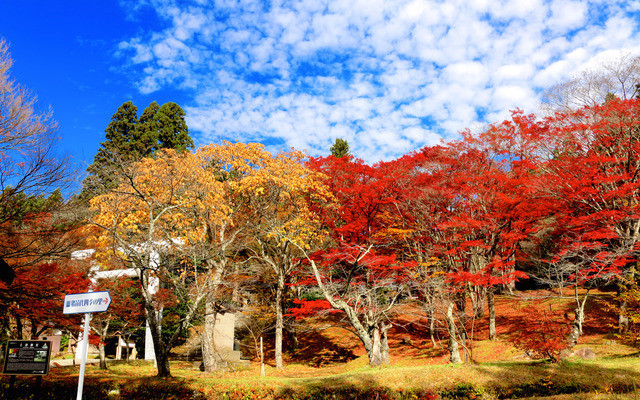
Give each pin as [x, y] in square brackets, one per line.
[85, 348]
[86, 303]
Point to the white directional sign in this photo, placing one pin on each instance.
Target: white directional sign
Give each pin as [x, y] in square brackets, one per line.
[86, 303]
[89, 302]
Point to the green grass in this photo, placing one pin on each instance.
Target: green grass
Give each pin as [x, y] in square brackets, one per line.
[605, 378]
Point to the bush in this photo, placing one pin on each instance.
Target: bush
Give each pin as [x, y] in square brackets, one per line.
[542, 388]
[543, 334]
[463, 391]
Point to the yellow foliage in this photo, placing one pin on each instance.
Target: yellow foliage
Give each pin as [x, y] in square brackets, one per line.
[188, 197]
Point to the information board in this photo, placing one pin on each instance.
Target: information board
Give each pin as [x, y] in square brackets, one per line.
[27, 357]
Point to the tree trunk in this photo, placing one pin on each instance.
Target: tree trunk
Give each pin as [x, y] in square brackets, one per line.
[574, 334]
[477, 295]
[162, 355]
[384, 350]
[369, 336]
[209, 359]
[366, 336]
[235, 294]
[432, 326]
[453, 340]
[279, 321]
[19, 327]
[491, 304]
[465, 348]
[162, 361]
[576, 327]
[34, 329]
[103, 356]
[375, 353]
[291, 337]
[623, 320]
[101, 351]
[461, 302]
[209, 351]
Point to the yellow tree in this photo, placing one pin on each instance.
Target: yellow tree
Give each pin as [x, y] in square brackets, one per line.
[150, 223]
[230, 165]
[275, 193]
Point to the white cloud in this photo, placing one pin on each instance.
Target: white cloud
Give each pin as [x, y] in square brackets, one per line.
[388, 76]
[567, 15]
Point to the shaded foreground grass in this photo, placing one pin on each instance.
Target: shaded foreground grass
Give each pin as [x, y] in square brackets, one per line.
[606, 378]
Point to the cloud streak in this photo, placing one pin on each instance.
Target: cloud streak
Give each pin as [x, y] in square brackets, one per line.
[387, 76]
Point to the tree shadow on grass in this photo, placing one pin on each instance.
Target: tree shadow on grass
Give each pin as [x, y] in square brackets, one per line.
[350, 387]
[319, 349]
[515, 379]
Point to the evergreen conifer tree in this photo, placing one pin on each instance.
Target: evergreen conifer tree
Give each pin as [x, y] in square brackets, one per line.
[340, 148]
[173, 132]
[129, 139]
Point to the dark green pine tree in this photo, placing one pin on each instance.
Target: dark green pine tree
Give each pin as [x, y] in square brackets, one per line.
[340, 148]
[119, 147]
[173, 131]
[129, 139]
[148, 128]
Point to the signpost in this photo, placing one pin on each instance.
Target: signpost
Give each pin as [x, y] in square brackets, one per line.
[86, 303]
[89, 302]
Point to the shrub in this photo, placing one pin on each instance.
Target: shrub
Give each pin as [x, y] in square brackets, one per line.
[463, 391]
[543, 333]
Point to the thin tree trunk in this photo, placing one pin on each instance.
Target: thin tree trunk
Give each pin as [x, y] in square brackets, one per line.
[279, 321]
[34, 329]
[209, 359]
[103, 356]
[461, 302]
[576, 327]
[368, 336]
[623, 320]
[291, 337]
[478, 294]
[454, 353]
[19, 327]
[101, 350]
[384, 347]
[432, 326]
[491, 304]
[236, 284]
[162, 356]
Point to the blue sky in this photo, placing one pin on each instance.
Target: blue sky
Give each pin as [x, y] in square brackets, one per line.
[387, 76]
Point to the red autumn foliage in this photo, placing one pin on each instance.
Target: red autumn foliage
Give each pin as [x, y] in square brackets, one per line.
[543, 333]
[36, 295]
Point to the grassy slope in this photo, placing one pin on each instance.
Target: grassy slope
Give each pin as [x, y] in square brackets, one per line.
[602, 378]
[332, 358]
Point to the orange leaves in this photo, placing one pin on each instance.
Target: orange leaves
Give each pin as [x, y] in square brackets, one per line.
[160, 199]
[276, 190]
[191, 198]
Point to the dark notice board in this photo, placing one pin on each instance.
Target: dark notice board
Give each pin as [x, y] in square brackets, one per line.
[27, 357]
